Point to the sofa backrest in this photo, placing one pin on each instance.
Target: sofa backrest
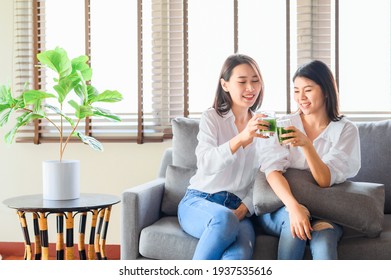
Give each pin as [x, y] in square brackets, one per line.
[375, 142]
[179, 163]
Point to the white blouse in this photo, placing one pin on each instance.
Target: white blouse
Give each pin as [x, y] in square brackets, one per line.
[219, 169]
[338, 146]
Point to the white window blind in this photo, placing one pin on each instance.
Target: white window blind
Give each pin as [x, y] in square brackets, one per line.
[169, 65]
[314, 31]
[27, 40]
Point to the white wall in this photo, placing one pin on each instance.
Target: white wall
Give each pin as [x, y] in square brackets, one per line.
[119, 167]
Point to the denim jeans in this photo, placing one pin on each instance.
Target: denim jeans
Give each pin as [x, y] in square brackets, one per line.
[323, 244]
[209, 217]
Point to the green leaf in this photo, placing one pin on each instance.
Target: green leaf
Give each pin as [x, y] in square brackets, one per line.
[22, 120]
[80, 64]
[91, 141]
[4, 106]
[105, 113]
[81, 112]
[76, 106]
[56, 60]
[79, 92]
[61, 113]
[10, 136]
[85, 111]
[65, 86]
[81, 89]
[26, 118]
[31, 96]
[107, 96]
[5, 94]
[19, 103]
[4, 118]
[92, 92]
[38, 110]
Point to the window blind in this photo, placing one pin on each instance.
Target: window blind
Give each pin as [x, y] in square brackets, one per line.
[169, 92]
[314, 31]
[29, 39]
[169, 64]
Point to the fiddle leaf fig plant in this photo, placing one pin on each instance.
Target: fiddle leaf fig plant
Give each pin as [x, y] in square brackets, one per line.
[71, 86]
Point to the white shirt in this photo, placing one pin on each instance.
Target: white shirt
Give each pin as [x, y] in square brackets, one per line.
[219, 169]
[338, 146]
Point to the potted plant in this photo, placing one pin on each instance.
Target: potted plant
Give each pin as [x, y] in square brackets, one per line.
[71, 86]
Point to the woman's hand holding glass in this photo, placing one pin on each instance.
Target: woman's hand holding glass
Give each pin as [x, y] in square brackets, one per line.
[284, 130]
[288, 134]
[267, 125]
[252, 129]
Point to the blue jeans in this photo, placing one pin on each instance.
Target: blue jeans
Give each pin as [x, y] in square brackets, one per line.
[209, 217]
[323, 244]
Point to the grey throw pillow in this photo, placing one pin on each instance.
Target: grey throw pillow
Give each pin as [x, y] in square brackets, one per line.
[184, 141]
[356, 205]
[177, 181]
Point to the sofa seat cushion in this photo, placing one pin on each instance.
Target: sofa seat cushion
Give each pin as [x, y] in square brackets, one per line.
[355, 247]
[357, 205]
[165, 240]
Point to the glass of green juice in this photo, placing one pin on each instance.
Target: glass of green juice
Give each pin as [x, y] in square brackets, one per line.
[270, 117]
[282, 124]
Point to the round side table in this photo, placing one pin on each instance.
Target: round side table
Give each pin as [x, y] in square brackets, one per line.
[98, 206]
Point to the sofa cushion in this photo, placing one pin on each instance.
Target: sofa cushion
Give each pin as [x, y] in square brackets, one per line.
[376, 156]
[357, 205]
[177, 181]
[352, 246]
[165, 240]
[184, 141]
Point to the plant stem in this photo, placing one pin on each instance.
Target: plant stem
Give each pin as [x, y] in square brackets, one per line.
[68, 138]
[46, 118]
[61, 132]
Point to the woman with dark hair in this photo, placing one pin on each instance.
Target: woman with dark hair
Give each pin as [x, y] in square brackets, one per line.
[218, 203]
[323, 142]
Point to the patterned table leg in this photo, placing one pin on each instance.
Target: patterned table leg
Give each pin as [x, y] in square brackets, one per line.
[91, 246]
[104, 232]
[43, 228]
[82, 230]
[60, 236]
[27, 243]
[69, 254]
[37, 238]
[97, 234]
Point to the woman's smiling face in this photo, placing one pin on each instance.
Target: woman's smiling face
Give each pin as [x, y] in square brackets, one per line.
[244, 86]
[308, 96]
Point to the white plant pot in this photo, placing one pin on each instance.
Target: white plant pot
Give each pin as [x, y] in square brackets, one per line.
[61, 179]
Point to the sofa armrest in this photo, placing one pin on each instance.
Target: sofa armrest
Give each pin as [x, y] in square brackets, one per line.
[140, 208]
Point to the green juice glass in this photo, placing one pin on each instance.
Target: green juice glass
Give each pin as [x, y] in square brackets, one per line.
[271, 119]
[282, 124]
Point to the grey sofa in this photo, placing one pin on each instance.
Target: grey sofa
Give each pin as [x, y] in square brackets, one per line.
[149, 225]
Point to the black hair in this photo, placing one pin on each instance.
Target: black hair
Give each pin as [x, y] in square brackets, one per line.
[318, 72]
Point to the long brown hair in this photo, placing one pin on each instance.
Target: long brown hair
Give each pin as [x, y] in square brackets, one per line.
[223, 101]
